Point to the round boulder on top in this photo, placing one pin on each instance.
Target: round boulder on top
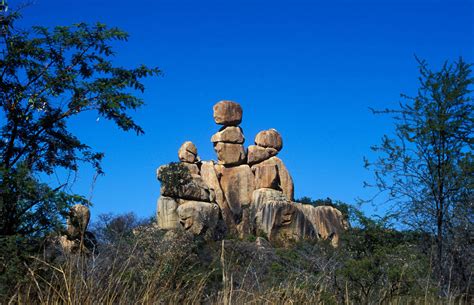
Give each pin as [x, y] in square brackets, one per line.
[187, 152]
[269, 139]
[227, 113]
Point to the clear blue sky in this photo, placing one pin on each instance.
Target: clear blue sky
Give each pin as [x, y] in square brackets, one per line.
[310, 69]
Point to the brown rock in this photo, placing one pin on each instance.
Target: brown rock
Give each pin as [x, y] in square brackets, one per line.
[187, 152]
[167, 216]
[269, 138]
[266, 176]
[271, 151]
[257, 154]
[328, 221]
[230, 154]
[238, 185]
[286, 182]
[227, 113]
[229, 134]
[209, 175]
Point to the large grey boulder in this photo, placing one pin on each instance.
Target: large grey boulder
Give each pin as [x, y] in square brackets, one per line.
[327, 220]
[167, 216]
[201, 219]
[278, 218]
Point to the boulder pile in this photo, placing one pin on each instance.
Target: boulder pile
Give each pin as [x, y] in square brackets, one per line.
[186, 200]
[245, 192]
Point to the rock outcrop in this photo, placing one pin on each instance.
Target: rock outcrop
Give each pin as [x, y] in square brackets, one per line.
[278, 218]
[76, 238]
[190, 195]
[245, 192]
[327, 221]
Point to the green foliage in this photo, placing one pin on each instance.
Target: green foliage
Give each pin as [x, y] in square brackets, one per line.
[47, 77]
[426, 169]
[173, 175]
[378, 262]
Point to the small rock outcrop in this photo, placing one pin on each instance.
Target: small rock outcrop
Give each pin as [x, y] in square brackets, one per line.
[245, 192]
[76, 238]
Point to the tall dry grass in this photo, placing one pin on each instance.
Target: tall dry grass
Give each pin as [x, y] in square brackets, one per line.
[164, 269]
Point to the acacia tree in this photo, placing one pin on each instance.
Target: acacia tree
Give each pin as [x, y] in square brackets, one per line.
[47, 77]
[427, 167]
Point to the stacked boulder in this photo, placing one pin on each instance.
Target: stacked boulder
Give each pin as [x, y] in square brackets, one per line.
[242, 193]
[76, 238]
[186, 201]
[270, 171]
[236, 180]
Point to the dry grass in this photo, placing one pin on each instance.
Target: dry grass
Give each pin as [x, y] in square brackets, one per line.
[156, 270]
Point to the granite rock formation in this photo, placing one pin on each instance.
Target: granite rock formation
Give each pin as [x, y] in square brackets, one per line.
[245, 192]
[189, 196]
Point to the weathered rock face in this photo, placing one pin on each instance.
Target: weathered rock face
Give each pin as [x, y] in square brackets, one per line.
[328, 221]
[167, 216]
[201, 218]
[238, 185]
[285, 180]
[245, 192]
[230, 154]
[229, 134]
[187, 152]
[278, 218]
[257, 154]
[269, 138]
[266, 176]
[227, 113]
[209, 175]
